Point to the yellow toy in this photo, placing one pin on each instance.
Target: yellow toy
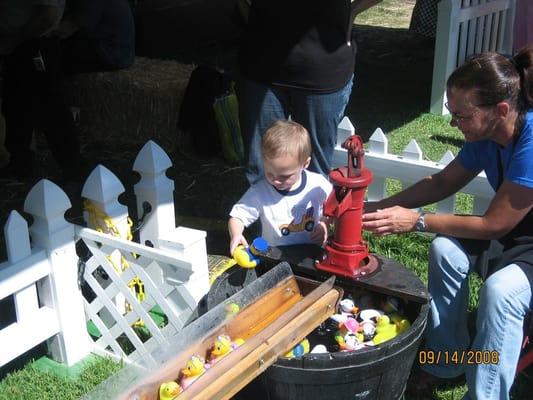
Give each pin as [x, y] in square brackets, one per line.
[402, 325]
[384, 330]
[232, 309]
[222, 346]
[169, 390]
[193, 370]
[247, 257]
[299, 350]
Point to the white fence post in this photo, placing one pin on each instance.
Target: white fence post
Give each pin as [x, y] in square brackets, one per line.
[464, 28]
[18, 248]
[444, 62]
[446, 206]
[106, 214]
[156, 190]
[189, 244]
[102, 189]
[345, 130]
[379, 144]
[47, 203]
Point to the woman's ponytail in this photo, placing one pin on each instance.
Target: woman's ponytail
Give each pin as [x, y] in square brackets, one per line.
[523, 61]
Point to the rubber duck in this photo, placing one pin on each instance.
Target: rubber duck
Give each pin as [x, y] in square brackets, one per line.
[193, 370]
[347, 309]
[370, 314]
[391, 305]
[402, 325]
[319, 349]
[222, 346]
[384, 330]
[395, 317]
[367, 331]
[248, 257]
[299, 350]
[232, 308]
[349, 342]
[169, 390]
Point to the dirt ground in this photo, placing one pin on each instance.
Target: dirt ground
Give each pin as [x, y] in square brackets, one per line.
[392, 86]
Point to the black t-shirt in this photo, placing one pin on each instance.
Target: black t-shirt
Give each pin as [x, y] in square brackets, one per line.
[299, 43]
[110, 24]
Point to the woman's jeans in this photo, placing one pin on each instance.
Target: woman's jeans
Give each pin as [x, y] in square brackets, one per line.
[261, 105]
[504, 300]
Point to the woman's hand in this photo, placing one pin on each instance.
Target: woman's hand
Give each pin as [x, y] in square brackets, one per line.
[390, 220]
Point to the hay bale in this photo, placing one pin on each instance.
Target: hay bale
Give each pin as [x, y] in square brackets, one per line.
[131, 105]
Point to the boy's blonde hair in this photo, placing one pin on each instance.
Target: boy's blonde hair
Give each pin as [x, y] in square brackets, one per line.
[286, 138]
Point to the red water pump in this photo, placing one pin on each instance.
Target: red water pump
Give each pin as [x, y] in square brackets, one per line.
[347, 253]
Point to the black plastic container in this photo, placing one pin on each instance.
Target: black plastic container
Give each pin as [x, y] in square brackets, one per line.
[378, 372]
[372, 373]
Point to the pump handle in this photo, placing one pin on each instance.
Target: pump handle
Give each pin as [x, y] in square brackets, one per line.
[354, 145]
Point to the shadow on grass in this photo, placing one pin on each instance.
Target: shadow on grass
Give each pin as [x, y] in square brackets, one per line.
[447, 140]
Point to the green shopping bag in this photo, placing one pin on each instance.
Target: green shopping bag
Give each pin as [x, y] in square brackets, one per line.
[226, 110]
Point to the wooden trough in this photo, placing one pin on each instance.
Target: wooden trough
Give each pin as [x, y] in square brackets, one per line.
[271, 325]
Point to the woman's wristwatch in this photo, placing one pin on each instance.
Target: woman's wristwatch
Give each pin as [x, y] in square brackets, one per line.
[420, 224]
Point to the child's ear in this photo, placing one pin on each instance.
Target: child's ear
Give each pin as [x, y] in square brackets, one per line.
[307, 162]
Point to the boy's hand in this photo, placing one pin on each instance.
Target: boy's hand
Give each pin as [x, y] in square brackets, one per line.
[235, 241]
[320, 234]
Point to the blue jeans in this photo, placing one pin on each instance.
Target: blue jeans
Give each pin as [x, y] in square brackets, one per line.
[504, 300]
[260, 105]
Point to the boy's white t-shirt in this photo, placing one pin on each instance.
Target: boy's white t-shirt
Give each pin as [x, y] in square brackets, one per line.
[286, 218]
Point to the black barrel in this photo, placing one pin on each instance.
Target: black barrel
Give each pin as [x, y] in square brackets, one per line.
[372, 373]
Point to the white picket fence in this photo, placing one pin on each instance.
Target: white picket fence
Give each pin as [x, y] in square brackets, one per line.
[42, 276]
[466, 27]
[408, 168]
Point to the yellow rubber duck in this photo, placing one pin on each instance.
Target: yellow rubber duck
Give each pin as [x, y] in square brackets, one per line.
[169, 390]
[402, 325]
[247, 257]
[193, 370]
[222, 346]
[384, 330]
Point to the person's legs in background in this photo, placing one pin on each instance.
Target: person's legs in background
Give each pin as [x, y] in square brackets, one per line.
[33, 98]
[259, 106]
[504, 300]
[55, 117]
[18, 109]
[320, 114]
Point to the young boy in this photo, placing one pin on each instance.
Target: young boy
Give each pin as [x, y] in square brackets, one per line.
[288, 200]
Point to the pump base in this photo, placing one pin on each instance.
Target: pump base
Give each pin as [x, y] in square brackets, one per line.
[349, 264]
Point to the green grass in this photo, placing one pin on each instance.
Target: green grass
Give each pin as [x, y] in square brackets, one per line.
[388, 13]
[32, 383]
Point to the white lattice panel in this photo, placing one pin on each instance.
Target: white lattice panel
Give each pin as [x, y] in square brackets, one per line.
[153, 267]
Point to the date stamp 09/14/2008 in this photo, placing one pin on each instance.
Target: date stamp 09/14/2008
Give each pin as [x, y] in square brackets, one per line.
[466, 357]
